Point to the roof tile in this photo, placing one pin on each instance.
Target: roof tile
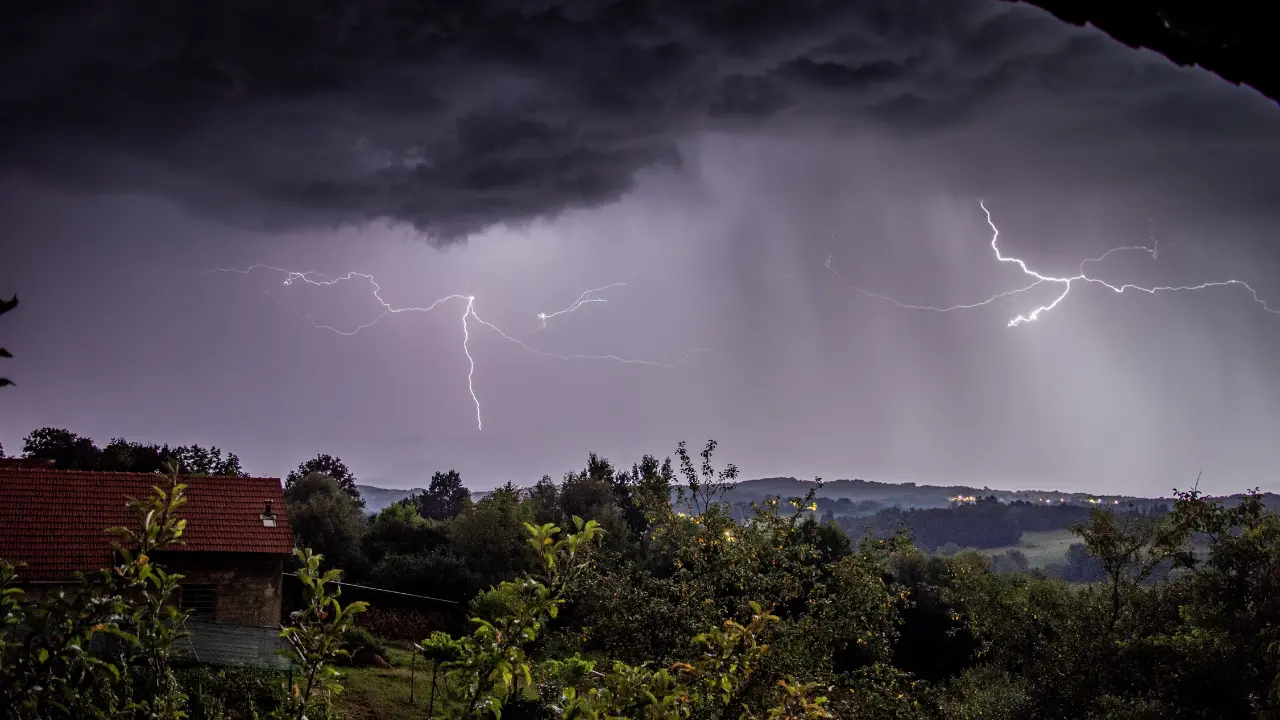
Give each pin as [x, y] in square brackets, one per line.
[54, 521]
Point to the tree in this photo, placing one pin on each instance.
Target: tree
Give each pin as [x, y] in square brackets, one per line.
[331, 466]
[6, 306]
[706, 486]
[487, 535]
[122, 455]
[315, 636]
[328, 520]
[197, 460]
[444, 497]
[400, 529]
[67, 450]
[1129, 547]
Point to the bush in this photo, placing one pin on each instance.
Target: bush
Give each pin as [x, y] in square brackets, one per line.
[231, 692]
[354, 638]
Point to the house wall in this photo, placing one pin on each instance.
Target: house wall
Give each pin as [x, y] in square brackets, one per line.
[248, 585]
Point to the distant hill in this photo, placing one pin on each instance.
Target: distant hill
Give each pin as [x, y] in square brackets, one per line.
[376, 499]
[886, 494]
[909, 494]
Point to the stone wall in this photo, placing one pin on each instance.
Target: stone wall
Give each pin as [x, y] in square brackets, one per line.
[247, 585]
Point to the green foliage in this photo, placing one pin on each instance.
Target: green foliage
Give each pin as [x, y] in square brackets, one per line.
[400, 530]
[489, 535]
[327, 520]
[54, 670]
[699, 608]
[985, 692]
[1129, 547]
[316, 638]
[355, 638]
[493, 665]
[232, 692]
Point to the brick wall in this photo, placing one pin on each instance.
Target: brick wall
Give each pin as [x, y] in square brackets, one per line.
[247, 585]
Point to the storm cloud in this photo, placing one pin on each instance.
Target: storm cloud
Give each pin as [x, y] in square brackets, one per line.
[453, 117]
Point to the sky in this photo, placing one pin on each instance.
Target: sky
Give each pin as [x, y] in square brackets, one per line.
[724, 160]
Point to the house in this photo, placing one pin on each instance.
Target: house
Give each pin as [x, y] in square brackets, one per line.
[231, 556]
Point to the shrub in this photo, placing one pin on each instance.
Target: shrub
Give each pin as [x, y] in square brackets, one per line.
[354, 638]
[232, 692]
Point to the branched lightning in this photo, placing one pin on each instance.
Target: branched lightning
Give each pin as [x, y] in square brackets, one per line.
[586, 297]
[1066, 282]
[468, 313]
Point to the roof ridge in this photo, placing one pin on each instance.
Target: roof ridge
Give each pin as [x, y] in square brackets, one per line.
[36, 469]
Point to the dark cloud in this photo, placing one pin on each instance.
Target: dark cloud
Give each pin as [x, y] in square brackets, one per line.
[456, 116]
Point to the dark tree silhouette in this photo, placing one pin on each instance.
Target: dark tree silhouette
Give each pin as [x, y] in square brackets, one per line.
[444, 498]
[327, 465]
[120, 455]
[67, 450]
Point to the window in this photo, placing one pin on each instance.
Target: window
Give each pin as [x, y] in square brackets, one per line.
[198, 600]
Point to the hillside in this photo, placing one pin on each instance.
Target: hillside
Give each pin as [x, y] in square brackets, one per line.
[376, 499]
[909, 494]
[874, 493]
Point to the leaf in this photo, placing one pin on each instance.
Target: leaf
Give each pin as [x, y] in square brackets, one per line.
[7, 305]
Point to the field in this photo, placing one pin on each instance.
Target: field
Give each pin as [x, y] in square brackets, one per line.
[1041, 548]
[383, 693]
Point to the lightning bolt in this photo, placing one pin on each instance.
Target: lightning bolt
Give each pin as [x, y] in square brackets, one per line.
[468, 313]
[583, 299]
[1082, 275]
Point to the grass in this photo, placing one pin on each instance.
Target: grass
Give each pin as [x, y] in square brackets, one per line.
[372, 693]
[1041, 548]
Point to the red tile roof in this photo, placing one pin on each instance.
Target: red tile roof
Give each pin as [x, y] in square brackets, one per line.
[54, 520]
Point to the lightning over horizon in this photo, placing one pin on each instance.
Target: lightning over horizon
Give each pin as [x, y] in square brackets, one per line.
[1065, 282]
[469, 312]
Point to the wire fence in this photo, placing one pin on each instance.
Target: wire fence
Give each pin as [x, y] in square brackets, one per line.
[228, 645]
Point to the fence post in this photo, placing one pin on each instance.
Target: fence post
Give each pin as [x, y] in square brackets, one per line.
[413, 665]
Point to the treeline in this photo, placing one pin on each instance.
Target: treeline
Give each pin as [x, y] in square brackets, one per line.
[70, 451]
[441, 544]
[873, 629]
[599, 597]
